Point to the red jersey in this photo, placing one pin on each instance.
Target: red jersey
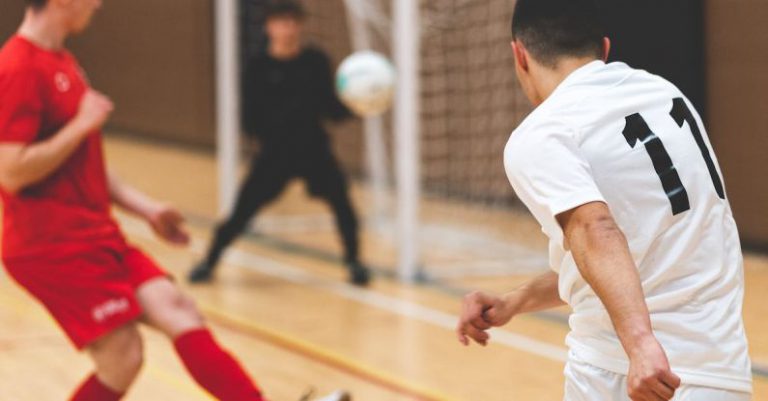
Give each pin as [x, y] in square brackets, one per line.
[68, 211]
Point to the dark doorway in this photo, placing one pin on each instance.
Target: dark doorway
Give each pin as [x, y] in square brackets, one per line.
[665, 37]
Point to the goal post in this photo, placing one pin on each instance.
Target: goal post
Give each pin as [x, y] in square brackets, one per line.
[449, 211]
[226, 25]
[406, 49]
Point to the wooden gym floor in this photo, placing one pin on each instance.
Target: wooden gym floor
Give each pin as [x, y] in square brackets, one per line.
[281, 305]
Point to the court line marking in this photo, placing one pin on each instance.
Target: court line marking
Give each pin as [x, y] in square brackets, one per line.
[245, 326]
[408, 309]
[759, 370]
[397, 306]
[404, 308]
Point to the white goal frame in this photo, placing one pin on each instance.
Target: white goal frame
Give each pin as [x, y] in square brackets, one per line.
[406, 43]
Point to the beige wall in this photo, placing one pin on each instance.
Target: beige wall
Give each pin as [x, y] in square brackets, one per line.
[737, 64]
[10, 17]
[155, 59]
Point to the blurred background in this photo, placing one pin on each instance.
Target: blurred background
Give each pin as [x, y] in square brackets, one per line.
[157, 61]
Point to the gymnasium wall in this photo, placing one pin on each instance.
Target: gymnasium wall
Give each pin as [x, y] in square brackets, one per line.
[154, 59]
[10, 18]
[737, 86]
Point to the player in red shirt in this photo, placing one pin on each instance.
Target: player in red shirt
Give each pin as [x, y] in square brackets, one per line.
[59, 239]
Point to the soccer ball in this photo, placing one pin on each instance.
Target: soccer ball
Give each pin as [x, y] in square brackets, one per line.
[365, 82]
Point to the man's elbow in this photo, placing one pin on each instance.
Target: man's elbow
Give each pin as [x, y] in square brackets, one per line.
[10, 183]
[601, 224]
[10, 187]
[592, 222]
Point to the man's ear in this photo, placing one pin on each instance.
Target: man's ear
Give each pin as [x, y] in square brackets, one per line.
[521, 55]
[606, 48]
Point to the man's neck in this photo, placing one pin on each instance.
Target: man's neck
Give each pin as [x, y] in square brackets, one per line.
[551, 78]
[284, 51]
[44, 29]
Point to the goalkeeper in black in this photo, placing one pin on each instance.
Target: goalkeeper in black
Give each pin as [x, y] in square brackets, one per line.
[287, 93]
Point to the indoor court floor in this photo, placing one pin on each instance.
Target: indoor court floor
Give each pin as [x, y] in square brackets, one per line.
[281, 305]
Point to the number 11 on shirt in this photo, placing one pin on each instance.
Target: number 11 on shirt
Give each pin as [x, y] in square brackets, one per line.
[636, 129]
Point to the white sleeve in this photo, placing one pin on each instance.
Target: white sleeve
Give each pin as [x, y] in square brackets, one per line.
[550, 174]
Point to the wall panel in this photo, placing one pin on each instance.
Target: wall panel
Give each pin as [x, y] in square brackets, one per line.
[737, 80]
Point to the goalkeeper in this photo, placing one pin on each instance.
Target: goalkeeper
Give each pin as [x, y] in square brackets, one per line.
[288, 91]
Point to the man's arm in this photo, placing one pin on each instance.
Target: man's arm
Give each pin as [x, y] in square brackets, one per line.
[538, 294]
[131, 199]
[166, 221]
[333, 108]
[602, 255]
[481, 311]
[22, 165]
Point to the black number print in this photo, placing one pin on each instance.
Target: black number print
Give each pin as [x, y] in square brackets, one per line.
[637, 129]
[681, 113]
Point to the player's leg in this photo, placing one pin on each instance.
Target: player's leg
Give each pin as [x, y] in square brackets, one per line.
[91, 299]
[326, 180]
[265, 181]
[117, 357]
[173, 313]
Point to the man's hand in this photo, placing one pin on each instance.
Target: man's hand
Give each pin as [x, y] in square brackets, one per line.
[167, 223]
[94, 110]
[650, 377]
[604, 259]
[479, 313]
[23, 164]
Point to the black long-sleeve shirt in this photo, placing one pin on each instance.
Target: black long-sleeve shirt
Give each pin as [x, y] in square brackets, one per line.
[285, 101]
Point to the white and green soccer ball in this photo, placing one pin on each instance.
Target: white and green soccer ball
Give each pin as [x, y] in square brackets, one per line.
[365, 82]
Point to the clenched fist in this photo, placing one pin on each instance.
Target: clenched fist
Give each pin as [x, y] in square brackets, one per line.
[168, 223]
[650, 377]
[479, 313]
[94, 110]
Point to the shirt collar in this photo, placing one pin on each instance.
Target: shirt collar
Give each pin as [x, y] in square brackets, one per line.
[578, 73]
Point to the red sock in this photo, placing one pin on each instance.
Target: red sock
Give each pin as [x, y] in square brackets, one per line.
[94, 390]
[215, 369]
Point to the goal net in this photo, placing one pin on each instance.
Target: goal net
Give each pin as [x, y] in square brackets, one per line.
[469, 222]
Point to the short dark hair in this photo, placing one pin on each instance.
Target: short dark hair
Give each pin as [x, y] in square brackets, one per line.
[291, 8]
[551, 29]
[36, 3]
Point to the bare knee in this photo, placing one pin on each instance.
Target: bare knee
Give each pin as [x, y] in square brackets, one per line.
[169, 310]
[118, 357]
[188, 312]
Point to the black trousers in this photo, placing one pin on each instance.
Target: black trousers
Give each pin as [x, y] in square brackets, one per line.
[270, 172]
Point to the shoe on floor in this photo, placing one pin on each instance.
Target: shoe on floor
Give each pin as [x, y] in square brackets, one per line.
[358, 274]
[201, 273]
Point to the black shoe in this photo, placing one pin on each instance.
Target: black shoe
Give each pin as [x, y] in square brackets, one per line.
[201, 273]
[358, 274]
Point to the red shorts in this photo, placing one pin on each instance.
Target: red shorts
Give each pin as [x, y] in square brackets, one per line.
[89, 294]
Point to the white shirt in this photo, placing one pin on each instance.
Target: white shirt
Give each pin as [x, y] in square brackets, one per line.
[589, 142]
